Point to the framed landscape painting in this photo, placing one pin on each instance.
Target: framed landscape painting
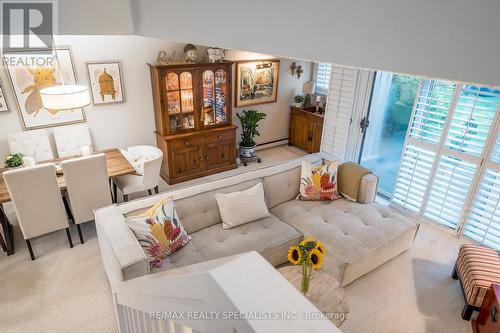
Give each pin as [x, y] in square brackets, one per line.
[105, 82]
[31, 71]
[257, 82]
[3, 103]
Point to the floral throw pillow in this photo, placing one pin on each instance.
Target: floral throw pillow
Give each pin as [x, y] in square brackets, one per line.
[319, 182]
[159, 231]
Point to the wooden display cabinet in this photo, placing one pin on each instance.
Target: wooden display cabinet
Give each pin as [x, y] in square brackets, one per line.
[306, 128]
[193, 117]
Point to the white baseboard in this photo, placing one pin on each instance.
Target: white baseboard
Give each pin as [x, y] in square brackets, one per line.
[272, 144]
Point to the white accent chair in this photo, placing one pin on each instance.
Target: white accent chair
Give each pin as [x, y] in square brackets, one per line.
[147, 164]
[37, 200]
[31, 142]
[69, 139]
[87, 186]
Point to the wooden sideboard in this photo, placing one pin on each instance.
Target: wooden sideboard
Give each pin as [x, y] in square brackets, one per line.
[306, 128]
[488, 320]
[193, 117]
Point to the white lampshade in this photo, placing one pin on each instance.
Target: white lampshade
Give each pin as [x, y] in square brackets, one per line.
[65, 97]
[308, 87]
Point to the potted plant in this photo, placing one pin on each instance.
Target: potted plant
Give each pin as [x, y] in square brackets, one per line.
[14, 160]
[249, 122]
[298, 100]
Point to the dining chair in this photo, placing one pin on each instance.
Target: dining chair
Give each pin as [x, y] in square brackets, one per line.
[147, 162]
[37, 200]
[29, 143]
[70, 139]
[87, 186]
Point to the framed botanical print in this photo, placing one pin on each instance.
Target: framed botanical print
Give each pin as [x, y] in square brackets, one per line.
[33, 70]
[105, 82]
[257, 81]
[3, 103]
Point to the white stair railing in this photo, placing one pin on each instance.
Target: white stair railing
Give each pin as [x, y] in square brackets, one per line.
[228, 295]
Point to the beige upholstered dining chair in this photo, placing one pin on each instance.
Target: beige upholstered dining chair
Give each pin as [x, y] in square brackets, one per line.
[69, 139]
[37, 201]
[146, 160]
[31, 143]
[87, 186]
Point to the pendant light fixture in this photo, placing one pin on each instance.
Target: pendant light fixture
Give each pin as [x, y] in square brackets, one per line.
[64, 97]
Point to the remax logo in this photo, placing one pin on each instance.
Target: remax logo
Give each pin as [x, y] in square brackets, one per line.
[28, 24]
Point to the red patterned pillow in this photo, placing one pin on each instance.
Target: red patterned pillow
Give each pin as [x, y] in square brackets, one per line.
[319, 182]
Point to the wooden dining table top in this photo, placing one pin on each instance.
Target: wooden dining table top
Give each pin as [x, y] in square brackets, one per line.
[116, 163]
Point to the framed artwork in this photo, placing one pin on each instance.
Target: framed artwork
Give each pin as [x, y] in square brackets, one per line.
[30, 71]
[105, 80]
[3, 103]
[257, 81]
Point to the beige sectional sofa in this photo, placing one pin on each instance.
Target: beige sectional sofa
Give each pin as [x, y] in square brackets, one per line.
[359, 236]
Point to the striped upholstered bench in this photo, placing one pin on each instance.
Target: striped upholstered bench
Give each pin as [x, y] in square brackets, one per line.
[476, 268]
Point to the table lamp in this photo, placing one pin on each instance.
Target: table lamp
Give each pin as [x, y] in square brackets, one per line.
[308, 90]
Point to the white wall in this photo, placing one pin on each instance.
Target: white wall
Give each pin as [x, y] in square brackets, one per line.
[132, 122]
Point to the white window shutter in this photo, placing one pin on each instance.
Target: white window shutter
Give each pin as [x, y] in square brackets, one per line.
[322, 78]
[423, 138]
[338, 113]
[483, 223]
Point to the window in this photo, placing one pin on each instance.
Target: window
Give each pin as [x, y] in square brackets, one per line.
[322, 78]
[449, 171]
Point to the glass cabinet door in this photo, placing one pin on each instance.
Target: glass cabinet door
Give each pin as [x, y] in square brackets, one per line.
[214, 111]
[208, 110]
[180, 105]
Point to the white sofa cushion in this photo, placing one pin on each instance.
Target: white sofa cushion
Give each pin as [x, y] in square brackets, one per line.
[241, 207]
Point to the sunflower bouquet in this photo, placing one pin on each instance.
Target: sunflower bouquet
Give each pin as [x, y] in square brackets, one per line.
[309, 253]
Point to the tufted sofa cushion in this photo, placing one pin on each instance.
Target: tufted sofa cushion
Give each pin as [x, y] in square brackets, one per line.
[359, 237]
[69, 139]
[30, 142]
[268, 236]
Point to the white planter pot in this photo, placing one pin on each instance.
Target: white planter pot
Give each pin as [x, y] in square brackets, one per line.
[297, 105]
[247, 152]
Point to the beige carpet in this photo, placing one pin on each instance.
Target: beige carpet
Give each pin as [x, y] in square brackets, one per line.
[411, 293]
[66, 290]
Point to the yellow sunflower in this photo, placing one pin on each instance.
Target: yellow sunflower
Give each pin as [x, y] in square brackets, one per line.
[294, 255]
[308, 240]
[316, 259]
[321, 248]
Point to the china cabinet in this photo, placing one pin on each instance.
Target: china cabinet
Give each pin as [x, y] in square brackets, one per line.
[193, 117]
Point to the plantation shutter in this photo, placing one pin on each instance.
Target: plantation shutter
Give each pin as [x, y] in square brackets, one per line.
[483, 220]
[323, 73]
[473, 116]
[446, 143]
[428, 120]
[339, 108]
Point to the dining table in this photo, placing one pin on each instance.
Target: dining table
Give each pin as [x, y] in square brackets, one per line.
[116, 164]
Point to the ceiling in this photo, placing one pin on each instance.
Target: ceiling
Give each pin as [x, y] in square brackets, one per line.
[451, 39]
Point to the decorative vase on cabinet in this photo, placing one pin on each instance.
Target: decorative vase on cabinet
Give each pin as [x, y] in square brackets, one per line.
[193, 117]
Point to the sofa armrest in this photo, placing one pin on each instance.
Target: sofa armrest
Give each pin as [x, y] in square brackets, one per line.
[357, 183]
[367, 190]
[121, 253]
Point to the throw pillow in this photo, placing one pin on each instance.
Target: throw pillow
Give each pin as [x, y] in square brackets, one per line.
[159, 231]
[319, 182]
[137, 161]
[241, 207]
